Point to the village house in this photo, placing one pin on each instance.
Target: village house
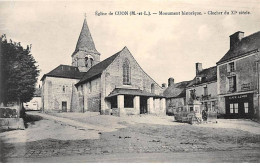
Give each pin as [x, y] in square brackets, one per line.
[238, 77]
[175, 95]
[115, 86]
[35, 103]
[201, 92]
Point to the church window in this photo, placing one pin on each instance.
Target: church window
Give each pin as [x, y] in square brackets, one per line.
[91, 62]
[86, 61]
[126, 73]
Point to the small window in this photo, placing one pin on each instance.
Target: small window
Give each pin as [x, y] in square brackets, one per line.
[231, 67]
[246, 107]
[86, 61]
[205, 91]
[63, 89]
[152, 88]
[91, 62]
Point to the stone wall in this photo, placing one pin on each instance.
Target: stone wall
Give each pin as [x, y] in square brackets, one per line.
[11, 124]
[91, 91]
[53, 93]
[245, 71]
[246, 77]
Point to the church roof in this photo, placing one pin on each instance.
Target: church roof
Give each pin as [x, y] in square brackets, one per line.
[85, 42]
[176, 90]
[247, 44]
[65, 71]
[97, 70]
[207, 75]
[134, 92]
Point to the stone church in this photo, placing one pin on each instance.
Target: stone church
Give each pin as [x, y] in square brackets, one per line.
[115, 86]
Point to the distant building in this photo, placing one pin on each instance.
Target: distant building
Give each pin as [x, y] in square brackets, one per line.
[201, 92]
[238, 77]
[175, 95]
[114, 86]
[35, 103]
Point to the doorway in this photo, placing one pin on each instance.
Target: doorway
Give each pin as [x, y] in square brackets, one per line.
[143, 105]
[64, 106]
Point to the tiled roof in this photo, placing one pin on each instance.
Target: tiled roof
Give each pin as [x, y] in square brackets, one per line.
[247, 44]
[85, 42]
[176, 90]
[65, 71]
[134, 92]
[98, 68]
[207, 75]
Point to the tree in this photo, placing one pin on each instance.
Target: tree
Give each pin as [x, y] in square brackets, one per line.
[18, 72]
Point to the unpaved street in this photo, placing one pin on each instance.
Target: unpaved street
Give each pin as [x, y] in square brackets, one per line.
[137, 137]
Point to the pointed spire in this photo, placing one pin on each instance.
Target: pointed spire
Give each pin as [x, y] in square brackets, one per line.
[85, 41]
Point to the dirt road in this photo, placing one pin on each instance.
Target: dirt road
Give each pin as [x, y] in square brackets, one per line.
[137, 139]
[242, 156]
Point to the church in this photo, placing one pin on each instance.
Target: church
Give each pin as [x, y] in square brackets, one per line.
[115, 86]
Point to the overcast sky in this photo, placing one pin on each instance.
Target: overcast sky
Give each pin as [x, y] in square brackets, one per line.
[164, 46]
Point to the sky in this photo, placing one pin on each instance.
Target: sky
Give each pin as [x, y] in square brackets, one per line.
[164, 46]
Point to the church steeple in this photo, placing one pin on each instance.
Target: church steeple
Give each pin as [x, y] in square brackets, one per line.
[85, 54]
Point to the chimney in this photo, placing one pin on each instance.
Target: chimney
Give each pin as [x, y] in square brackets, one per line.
[170, 81]
[164, 85]
[235, 38]
[198, 68]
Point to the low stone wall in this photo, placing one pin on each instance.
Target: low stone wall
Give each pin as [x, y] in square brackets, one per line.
[11, 123]
[9, 112]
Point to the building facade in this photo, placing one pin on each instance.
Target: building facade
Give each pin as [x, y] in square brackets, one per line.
[238, 77]
[175, 95]
[201, 92]
[115, 86]
[119, 86]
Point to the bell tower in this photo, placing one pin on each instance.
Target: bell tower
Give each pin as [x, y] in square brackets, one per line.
[85, 55]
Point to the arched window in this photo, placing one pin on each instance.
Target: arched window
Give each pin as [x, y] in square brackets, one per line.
[126, 72]
[91, 62]
[86, 61]
[152, 88]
